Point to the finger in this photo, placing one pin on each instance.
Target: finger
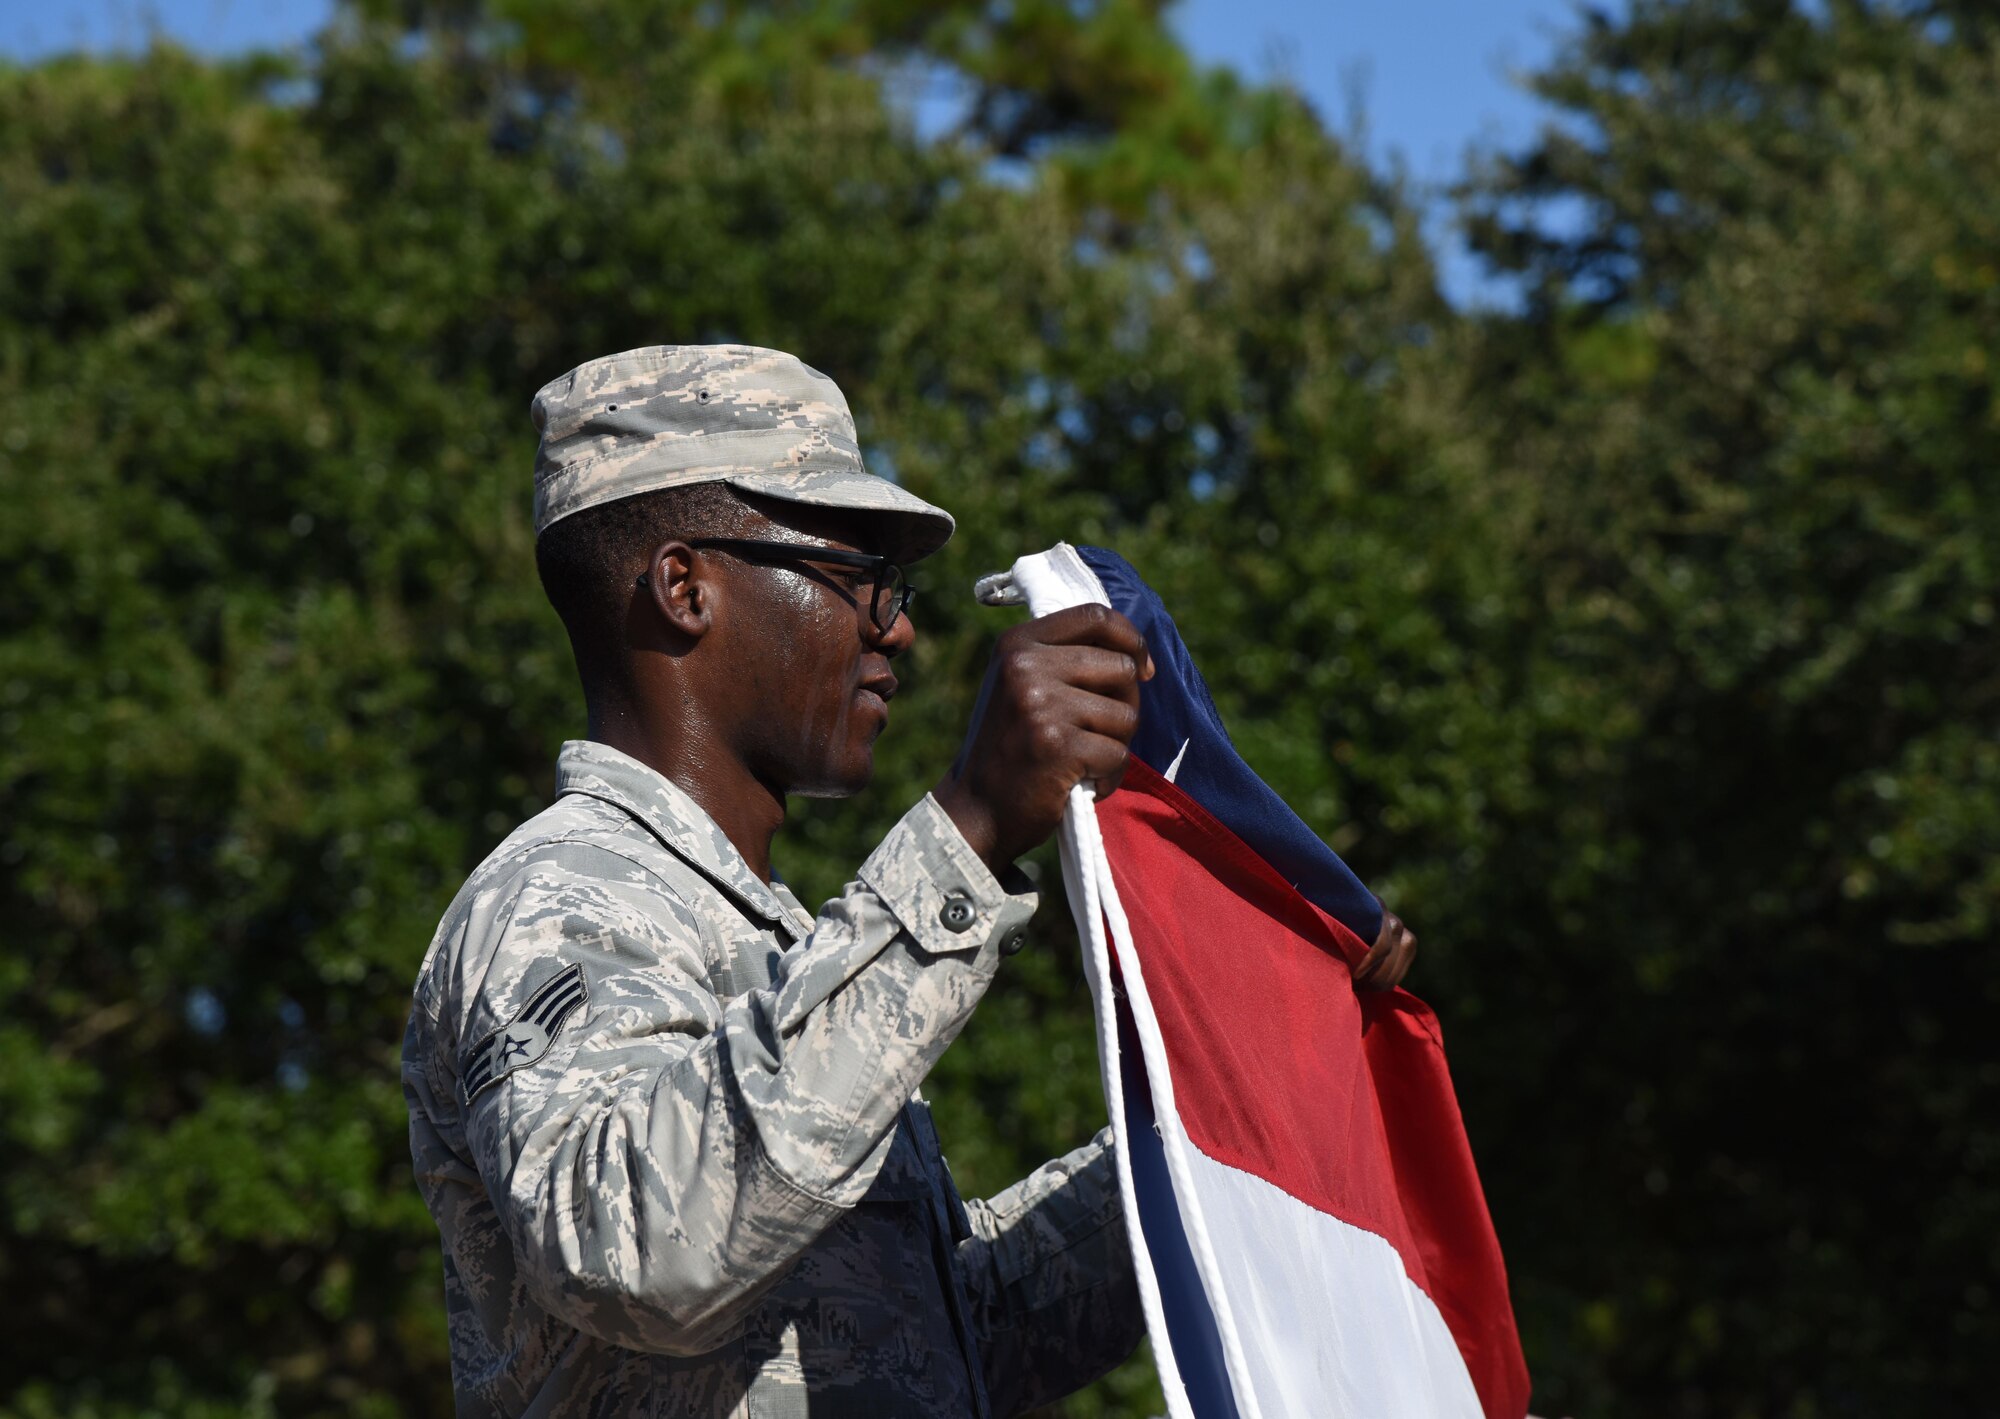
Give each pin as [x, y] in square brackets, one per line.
[1371, 964]
[1109, 715]
[1402, 955]
[1089, 667]
[1385, 937]
[1104, 762]
[1388, 979]
[1388, 960]
[1089, 625]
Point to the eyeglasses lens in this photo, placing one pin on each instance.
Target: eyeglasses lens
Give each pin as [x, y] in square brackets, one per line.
[892, 596]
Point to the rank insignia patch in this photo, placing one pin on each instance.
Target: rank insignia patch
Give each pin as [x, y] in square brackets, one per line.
[526, 1038]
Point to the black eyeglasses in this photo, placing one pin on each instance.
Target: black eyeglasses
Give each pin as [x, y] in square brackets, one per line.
[887, 602]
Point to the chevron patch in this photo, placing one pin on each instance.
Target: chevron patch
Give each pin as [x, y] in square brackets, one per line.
[527, 1037]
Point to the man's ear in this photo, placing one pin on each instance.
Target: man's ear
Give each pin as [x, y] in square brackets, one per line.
[682, 588]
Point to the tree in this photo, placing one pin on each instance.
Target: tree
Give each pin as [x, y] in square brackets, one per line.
[1751, 403]
[274, 667]
[1637, 643]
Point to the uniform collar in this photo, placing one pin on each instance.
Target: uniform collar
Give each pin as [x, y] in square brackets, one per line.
[587, 767]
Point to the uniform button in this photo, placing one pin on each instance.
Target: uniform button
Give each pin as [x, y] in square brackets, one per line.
[958, 913]
[1013, 941]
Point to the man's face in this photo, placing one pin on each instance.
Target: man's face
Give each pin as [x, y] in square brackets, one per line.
[806, 674]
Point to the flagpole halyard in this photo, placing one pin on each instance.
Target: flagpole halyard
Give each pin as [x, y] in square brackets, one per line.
[1048, 582]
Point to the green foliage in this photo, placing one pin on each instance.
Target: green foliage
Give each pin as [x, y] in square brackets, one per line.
[1753, 404]
[1638, 645]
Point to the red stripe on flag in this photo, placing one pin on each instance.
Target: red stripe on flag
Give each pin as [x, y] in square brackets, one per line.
[1280, 1070]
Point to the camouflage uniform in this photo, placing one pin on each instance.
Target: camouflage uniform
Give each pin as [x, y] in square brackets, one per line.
[667, 1125]
[759, 420]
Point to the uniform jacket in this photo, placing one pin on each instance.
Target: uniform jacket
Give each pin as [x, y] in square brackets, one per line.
[667, 1123]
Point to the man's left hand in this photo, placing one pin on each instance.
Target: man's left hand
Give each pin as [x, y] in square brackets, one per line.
[1388, 960]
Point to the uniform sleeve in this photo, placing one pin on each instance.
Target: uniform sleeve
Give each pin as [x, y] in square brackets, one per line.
[668, 1155]
[1050, 1278]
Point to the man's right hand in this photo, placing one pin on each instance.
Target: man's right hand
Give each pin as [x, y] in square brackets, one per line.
[1059, 707]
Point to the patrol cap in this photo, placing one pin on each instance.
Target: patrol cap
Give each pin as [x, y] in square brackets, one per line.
[668, 416]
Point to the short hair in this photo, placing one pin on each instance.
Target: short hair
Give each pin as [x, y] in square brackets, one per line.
[590, 561]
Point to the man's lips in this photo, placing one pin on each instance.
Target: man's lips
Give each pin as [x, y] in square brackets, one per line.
[880, 690]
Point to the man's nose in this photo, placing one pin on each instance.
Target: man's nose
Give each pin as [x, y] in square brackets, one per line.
[898, 638]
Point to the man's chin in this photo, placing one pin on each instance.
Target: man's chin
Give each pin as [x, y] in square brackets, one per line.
[841, 783]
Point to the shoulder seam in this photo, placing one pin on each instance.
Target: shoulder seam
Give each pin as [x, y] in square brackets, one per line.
[609, 850]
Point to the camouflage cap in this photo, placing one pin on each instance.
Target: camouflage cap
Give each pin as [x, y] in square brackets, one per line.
[670, 415]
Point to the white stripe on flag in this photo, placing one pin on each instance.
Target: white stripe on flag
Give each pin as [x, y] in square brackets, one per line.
[1338, 1326]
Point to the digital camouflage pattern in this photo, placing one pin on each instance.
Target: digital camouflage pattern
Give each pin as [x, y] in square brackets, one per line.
[669, 415]
[668, 1127]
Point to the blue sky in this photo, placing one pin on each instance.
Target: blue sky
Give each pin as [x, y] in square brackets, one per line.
[1433, 77]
